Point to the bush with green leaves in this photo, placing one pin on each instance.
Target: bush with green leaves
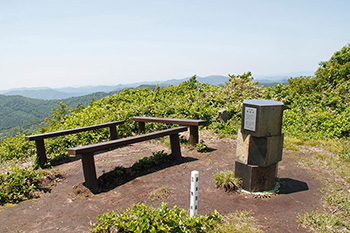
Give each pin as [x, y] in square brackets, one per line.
[19, 184]
[318, 107]
[144, 218]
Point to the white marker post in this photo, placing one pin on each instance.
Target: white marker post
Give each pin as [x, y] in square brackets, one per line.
[194, 193]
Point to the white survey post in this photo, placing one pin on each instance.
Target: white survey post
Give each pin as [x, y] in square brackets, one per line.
[194, 193]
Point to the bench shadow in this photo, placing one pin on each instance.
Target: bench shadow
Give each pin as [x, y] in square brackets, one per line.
[68, 159]
[211, 149]
[289, 186]
[119, 176]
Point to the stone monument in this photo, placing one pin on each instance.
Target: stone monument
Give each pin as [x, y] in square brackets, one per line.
[259, 144]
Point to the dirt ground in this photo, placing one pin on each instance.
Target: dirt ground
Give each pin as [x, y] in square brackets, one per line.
[70, 207]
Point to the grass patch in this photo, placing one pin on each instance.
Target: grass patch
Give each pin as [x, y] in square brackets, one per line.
[239, 221]
[226, 179]
[335, 215]
[160, 193]
[323, 222]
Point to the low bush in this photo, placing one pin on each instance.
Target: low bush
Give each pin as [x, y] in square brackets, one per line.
[144, 218]
[21, 184]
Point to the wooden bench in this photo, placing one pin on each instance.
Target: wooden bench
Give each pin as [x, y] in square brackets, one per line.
[39, 138]
[87, 152]
[194, 138]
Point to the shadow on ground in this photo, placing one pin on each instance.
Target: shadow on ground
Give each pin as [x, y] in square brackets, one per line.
[120, 175]
[293, 186]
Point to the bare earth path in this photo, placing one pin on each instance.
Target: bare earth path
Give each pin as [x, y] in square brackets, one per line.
[67, 210]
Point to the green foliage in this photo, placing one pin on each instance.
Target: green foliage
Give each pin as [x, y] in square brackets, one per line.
[201, 147]
[189, 100]
[19, 185]
[149, 162]
[318, 107]
[143, 218]
[16, 148]
[226, 179]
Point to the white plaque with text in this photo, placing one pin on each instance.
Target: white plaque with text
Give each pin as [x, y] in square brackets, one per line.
[250, 118]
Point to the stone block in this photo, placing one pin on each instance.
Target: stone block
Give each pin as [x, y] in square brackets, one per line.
[259, 151]
[256, 179]
[223, 115]
[262, 118]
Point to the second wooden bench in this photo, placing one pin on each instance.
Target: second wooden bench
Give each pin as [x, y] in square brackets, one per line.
[87, 152]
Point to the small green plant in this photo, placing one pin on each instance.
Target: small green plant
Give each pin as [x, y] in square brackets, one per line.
[143, 218]
[183, 140]
[201, 147]
[226, 179]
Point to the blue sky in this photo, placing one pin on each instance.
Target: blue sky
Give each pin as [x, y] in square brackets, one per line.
[83, 42]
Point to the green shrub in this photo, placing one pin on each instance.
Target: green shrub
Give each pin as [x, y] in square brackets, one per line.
[19, 185]
[143, 218]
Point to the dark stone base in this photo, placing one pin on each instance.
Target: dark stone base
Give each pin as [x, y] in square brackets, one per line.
[256, 179]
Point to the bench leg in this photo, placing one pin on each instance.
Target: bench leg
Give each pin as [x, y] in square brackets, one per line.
[113, 132]
[141, 127]
[194, 138]
[175, 146]
[40, 150]
[89, 170]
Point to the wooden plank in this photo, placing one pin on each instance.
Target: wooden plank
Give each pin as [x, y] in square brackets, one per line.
[72, 131]
[125, 141]
[188, 122]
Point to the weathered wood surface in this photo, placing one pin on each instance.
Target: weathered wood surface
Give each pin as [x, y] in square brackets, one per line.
[194, 137]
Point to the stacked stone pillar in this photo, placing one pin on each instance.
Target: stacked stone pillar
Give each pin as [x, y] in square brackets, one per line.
[259, 144]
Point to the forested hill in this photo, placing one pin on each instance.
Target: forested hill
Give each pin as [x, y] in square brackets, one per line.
[22, 114]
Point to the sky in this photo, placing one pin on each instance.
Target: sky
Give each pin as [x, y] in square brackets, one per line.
[47, 43]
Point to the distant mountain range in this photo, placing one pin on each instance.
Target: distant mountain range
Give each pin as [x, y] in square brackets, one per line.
[46, 93]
